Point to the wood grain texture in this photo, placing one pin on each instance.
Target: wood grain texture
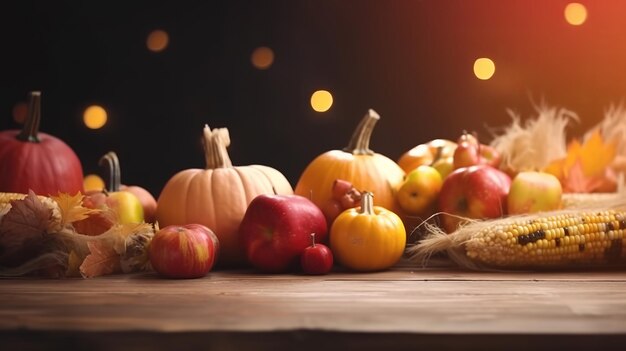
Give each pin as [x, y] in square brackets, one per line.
[406, 302]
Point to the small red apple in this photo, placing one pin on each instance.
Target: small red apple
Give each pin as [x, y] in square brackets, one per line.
[478, 192]
[184, 251]
[276, 229]
[317, 258]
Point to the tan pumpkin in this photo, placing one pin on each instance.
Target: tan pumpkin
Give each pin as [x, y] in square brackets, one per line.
[364, 168]
[218, 196]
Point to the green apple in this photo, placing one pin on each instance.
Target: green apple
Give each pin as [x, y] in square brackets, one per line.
[533, 191]
[419, 191]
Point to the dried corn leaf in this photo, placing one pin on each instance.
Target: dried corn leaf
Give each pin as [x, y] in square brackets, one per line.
[537, 142]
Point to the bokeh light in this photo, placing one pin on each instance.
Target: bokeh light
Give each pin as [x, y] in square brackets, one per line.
[95, 117]
[157, 40]
[262, 57]
[575, 13]
[321, 100]
[20, 111]
[484, 68]
[93, 182]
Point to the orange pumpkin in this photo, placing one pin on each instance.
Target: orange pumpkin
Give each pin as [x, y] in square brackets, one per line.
[357, 164]
[368, 238]
[219, 195]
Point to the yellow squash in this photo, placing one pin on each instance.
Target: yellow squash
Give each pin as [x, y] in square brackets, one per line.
[367, 238]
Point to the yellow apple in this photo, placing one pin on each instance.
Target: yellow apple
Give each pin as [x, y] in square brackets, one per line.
[444, 166]
[533, 191]
[418, 193]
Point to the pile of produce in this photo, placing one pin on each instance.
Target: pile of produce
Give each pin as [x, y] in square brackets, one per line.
[529, 198]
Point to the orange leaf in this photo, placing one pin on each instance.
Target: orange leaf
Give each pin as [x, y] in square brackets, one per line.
[578, 182]
[72, 208]
[101, 261]
[596, 156]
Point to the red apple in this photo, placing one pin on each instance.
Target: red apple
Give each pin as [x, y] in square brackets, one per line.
[187, 251]
[317, 258]
[477, 192]
[276, 229]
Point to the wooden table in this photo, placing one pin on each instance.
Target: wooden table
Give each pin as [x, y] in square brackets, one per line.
[407, 307]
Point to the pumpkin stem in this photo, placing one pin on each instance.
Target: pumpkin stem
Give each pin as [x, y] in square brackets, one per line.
[313, 239]
[31, 125]
[112, 164]
[367, 203]
[215, 143]
[360, 141]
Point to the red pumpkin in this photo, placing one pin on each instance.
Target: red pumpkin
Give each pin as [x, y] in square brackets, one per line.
[37, 161]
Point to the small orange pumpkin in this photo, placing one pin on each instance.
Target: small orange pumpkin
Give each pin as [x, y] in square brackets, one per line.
[368, 238]
[357, 164]
[219, 195]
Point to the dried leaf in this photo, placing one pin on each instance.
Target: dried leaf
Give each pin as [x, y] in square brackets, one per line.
[23, 229]
[121, 234]
[101, 261]
[596, 155]
[135, 257]
[73, 264]
[587, 166]
[577, 182]
[96, 224]
[72, 208]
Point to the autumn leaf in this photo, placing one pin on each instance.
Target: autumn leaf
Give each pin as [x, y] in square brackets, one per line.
[23, 229]
[577, 182]
[596, 156]
[96, 224]
[586, 166]
[72, 208]
[122, 233]
[73, 264]
[134, 256]
[102, 260]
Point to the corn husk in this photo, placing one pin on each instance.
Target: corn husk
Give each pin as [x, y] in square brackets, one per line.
[534, 143]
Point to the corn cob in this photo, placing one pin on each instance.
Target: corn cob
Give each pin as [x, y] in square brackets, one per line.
[552, 239]
[583, 237]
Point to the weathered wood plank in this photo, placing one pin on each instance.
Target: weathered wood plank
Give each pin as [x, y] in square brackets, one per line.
[403, 300]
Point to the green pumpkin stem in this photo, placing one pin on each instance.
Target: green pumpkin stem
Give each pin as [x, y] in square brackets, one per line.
[31, 125]
[215, 143]
[367, 203]
[360, 141]
[112, 164]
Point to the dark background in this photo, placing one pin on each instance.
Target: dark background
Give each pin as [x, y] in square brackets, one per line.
[409, 60]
